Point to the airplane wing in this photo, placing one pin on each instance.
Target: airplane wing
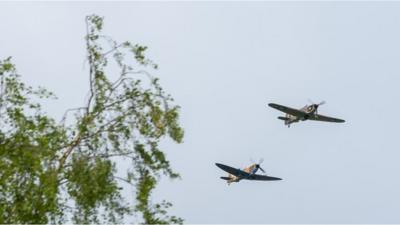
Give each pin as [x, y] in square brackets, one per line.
[233, 171]
[244, 175]
[288, 110]
[262, 177]
[320, 117]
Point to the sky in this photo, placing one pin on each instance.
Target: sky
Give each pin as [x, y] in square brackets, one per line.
[223, 62]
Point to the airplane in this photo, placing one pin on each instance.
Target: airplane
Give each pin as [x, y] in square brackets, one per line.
[248, 173]
[308, 112]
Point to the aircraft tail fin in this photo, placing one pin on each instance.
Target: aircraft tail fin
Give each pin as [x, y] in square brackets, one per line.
[225, 178]
[283, 118]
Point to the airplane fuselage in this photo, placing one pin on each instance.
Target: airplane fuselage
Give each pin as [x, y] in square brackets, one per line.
[251, 170]
[308, 109]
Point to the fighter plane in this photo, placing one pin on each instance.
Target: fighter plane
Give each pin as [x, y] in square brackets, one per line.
[249, 173]
[308, 112]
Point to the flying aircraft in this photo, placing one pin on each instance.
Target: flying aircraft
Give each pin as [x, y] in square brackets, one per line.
[308, 112]
[249, 173]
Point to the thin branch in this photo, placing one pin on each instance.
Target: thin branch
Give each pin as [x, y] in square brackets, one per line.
[69, 110]
[143, 72]
[116, 47]
[109, 123]
[126, 154]
[115, 85]
[123, 179]
[64, 157]
[91, 67]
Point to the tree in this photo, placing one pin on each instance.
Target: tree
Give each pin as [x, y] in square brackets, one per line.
[57, 172]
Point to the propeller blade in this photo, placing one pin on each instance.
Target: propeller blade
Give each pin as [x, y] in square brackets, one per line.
[313, 103]
[261, 169]
[317, 105]
[261, 161]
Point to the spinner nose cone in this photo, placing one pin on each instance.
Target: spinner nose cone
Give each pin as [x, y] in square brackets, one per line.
[219, 165]
[272, 105]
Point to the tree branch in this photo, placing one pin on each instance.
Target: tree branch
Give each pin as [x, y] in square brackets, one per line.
[69, 110]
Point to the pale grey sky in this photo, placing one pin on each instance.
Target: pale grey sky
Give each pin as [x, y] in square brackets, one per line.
[223, 63]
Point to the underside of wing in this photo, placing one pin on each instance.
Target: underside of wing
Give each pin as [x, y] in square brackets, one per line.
[288, 110]
[262, 177]
[319, 117]
[231, 170]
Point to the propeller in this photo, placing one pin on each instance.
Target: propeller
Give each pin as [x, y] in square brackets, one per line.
[316, 105]
[258, 165]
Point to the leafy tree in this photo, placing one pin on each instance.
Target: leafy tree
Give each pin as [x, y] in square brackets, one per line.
[55, 172]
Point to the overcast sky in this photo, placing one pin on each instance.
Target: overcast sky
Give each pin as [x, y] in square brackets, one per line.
[223, 63]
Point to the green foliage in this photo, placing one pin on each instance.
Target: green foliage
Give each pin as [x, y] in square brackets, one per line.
[29, 141]
[55, 172]
[152, 214]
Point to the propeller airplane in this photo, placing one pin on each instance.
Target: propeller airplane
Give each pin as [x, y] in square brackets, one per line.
[248, 173]
[308, 112]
